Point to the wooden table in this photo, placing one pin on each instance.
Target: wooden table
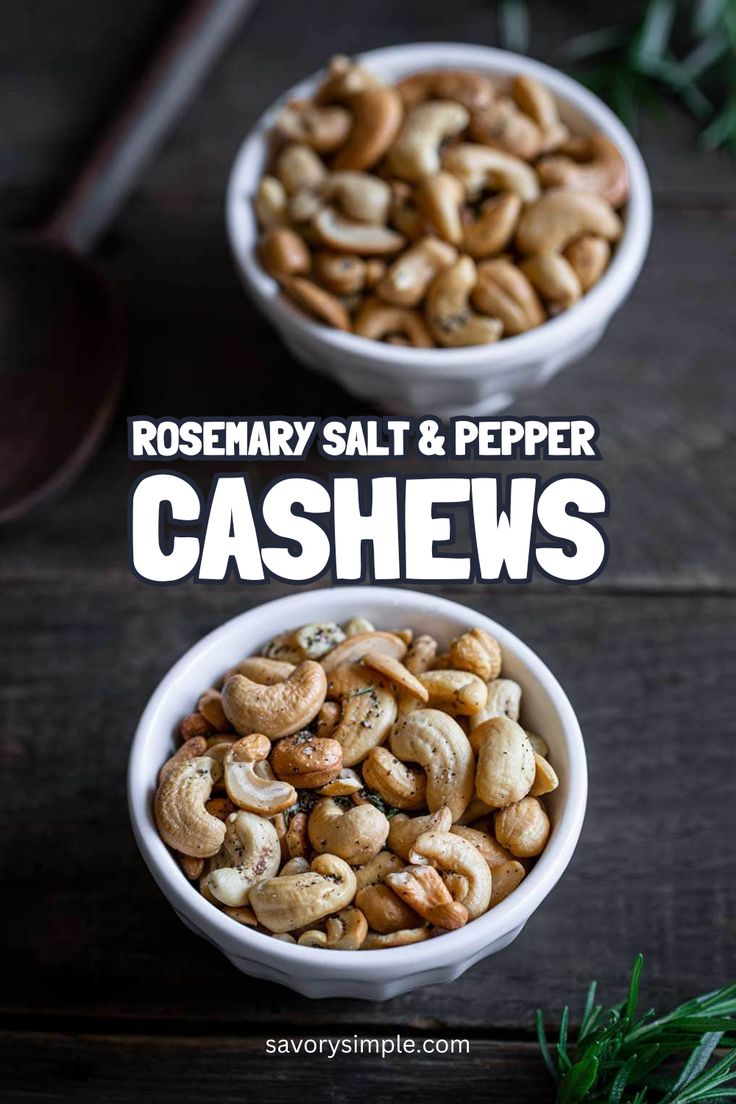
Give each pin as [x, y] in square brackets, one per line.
[105, 996]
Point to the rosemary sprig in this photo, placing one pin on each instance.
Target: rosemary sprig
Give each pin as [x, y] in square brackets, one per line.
[677, 49]
[621, 1057]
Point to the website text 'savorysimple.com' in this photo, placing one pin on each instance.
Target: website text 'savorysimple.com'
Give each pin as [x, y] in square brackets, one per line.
[379, 1047]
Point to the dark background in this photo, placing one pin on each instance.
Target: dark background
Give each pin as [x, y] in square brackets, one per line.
[105, 995]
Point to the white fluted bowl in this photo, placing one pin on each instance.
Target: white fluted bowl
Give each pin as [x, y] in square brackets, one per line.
[476, 380]
[373, 975]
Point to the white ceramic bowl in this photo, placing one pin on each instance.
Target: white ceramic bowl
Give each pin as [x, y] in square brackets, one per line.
[374, 975]
[446, 382]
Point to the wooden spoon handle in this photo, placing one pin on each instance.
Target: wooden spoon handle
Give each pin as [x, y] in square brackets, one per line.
[166, 88]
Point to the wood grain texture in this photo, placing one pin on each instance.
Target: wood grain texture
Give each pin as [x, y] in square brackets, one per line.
[653, 871]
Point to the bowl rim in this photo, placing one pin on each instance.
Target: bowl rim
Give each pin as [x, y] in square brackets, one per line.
[480, 360]
[487, 929]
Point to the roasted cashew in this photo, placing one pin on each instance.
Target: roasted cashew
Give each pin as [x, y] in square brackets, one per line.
[381, 321]
[341, 273]
[404, 831]
[359, 195]
[278, 710]
[545, 777]
[472, 90]
[191, 866]
[505, 880]
[504, 700]
[475, 810]
[376, 118]
[210, 706]
[539, 104]
[355, 834]
[603, 171]
[296, 838]
[494, 227]
[271, 202]
[343, 78]
[480, 167]
[523, 827]
[505, 769]
[407, 279]
[192, 748]
[397, 784]
[344, 932]
[297, 865]
[505, 292]
[250, 852]
[539, 746]
[194, 724]
[416, 152]
[358, 625]
[437, 743]
[422, 888]
[589, 256]
[448, 310]
[376, 941]
[347, 783]
[478, 652]
[375, 870]
[421, 654]
[384, 910]
[393, 671]
[345, 235]
[555, 279]
[459, 693]
[284, 253]
[306, 760]
[283, 904]
[486, 844]
[321, 128]
[439, 199]
[503, 126]
[454, 854]
[262, 670]
[559, 217]
[299, 168]
[358, 645]
[368, 711]
[316, 301]
[248, 788]
[179, 808]
[310, 641]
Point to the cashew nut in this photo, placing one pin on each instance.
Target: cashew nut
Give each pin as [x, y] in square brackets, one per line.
[368, 711]
[263, 670]
[359, 195]
[505, 769]
[384, 910]
[539, 104]
[545, 777]
[398, 785]
[404, 831]
[380, 321]
[437, 743]
[494, 227]
[559, 217]
[284, 253]
[344, 932]
[505, 880]
[347, 783]
[315, 300]
[377, 941]
[396, 673]
[589, 256]
[376, 118]
[477, 651]
[355, 647]
[459, 693]
[179, 808]
[355, 834]
[270, 202]
[310, 641]
[439, 198]
[341, 273]
[481, 167]
[192, 748]
[278, 710]
[250, 852]
[523, 827]
[248, 788]
[421, 654]
[448, 310]
[321, 128]
[344, 77]
[472, 90]
[504, 700]
[454, 854]
[484, 843]
[502, 125]
[603, 171]
[307, 761]
[407, 279]
[555, 279]
[422, 888]
[285, 903]
[346, 235]
[298, 167]
[505, 292]
[416, 152]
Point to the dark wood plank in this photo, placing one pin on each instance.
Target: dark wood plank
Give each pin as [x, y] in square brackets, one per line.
[88, 935]
[118, 1069]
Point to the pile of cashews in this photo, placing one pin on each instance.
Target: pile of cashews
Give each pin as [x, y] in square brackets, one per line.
[352, 788]
[445, 210]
